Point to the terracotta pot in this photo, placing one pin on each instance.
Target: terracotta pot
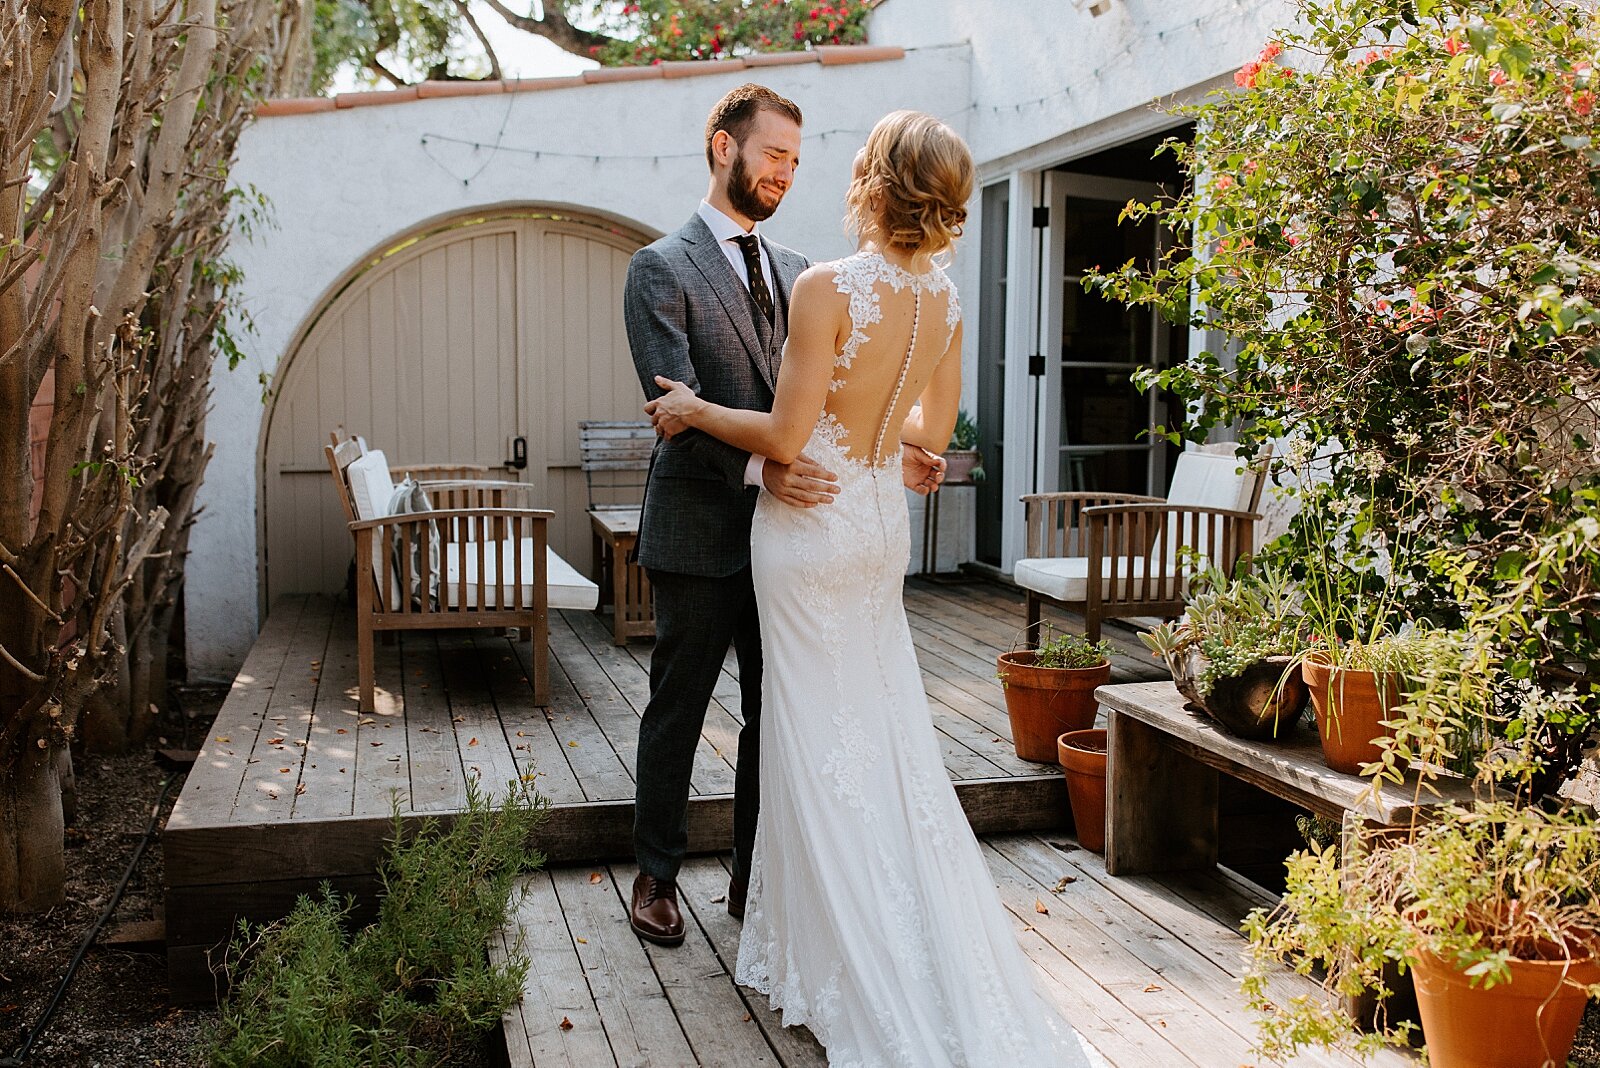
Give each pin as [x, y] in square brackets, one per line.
[1350, 712]
[1045, 703]
[1083, 757]
[958, 466]
[1526, 1022]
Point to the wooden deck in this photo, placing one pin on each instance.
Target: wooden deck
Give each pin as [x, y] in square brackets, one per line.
[295, 787]
[1146, 967]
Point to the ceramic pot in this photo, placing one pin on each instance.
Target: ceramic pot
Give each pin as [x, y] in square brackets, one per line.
[1527, 1022]
[1083, 757]
[1045, 703]
[959, 464]
[1351, 706]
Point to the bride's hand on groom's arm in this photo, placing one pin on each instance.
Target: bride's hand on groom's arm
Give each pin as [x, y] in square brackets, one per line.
[673, 412]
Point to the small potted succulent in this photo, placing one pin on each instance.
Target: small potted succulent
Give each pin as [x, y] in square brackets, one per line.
[1050, 690]
[964, 462]
[1234, 653]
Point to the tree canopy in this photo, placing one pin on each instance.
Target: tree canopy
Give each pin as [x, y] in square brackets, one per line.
[402, 41]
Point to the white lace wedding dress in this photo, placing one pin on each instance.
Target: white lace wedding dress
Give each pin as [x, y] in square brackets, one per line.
[872, 917]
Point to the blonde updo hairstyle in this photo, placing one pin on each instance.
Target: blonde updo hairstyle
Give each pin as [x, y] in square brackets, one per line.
[912, 184]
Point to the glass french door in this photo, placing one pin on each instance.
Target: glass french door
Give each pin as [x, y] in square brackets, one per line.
[1095, 425]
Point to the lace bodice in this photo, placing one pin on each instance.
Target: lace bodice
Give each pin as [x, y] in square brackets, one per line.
[889, 355]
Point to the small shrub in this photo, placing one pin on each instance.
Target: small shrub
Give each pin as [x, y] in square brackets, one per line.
[1068, 650]
[415, 988]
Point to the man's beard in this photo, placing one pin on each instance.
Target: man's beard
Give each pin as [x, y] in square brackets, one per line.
[744, 196]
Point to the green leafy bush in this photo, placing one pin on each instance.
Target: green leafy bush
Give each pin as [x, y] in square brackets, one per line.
[1068, 650]
[416, 988]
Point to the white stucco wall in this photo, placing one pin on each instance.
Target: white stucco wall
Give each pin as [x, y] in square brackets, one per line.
[1087, 69]
[342, 183]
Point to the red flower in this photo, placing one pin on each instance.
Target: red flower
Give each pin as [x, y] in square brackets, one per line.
[1245, 76]
[1271, 52]
[1454, 46]
[1582, 102]
[1224, 182]
[1499, 77]
[799, 33]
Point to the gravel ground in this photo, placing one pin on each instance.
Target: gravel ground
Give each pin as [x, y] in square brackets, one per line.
[116, 1013]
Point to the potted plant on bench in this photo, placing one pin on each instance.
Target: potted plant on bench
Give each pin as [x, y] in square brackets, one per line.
[1050, 690]
[964, 461]
[1234, 654]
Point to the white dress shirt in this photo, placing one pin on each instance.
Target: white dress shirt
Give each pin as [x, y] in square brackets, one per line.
[725, 230]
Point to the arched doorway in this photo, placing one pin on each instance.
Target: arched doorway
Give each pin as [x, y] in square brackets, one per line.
[447, 345]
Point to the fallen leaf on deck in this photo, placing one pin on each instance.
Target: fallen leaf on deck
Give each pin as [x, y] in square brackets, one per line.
[1030, 927]
[719, 899]
[1038, 906]
[224, 739]
[300, 789]
[473, 742]
[595, 877]
[1151, 988]
[282, 770]
[274, 741]
[583, 941]
[522, 734]
[374, 743]
[572, 745]
[1064, 882]
[364, 720]
[566, 1024]
[341, 771]
[747, 1017]
[341, 730]
[458, 719]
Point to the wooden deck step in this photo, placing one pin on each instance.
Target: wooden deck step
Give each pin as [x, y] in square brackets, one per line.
[1147, 969]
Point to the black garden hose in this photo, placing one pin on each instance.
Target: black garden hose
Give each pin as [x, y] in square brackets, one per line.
[20, 1057]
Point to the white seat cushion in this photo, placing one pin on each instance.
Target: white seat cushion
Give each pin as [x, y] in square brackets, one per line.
[370, 485]
[566, 588]
[1067, 578]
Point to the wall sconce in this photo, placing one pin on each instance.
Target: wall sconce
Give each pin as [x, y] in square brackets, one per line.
[1096, 8]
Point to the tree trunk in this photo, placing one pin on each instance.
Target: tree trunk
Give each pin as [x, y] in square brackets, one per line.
[105, 722]
[68, 777]
[32, 857]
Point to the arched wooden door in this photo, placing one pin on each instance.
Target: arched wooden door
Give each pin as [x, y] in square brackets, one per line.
[448, 346]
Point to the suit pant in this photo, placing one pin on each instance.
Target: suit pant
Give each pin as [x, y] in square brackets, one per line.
[697, 618]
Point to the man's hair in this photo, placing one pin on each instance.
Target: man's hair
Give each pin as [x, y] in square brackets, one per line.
[737, 111]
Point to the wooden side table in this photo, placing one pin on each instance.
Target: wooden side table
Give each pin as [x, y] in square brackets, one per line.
[616, 532]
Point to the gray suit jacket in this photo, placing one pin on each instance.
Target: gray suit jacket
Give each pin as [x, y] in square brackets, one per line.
[690, 318]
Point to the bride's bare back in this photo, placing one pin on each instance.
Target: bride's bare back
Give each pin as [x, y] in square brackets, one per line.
[900, 327]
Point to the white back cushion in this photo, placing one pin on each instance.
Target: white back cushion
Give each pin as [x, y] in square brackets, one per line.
[1211, 480]
[370, 485]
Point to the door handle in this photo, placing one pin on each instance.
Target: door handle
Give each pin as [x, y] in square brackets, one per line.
[519, 453]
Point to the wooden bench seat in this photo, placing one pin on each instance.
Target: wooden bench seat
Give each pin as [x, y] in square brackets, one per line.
[616, 461]
[1162, 768]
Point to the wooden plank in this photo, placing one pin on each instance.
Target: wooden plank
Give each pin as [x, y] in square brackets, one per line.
[701, 883]
[537, 750]
[639, 1020]
[328, 773]
[1161, 806]
[559, 1015]
[438, 782]
[1291, 768]
[212, 786]
[383, 772]
[599, 771]
[274, 764]
[481, 740]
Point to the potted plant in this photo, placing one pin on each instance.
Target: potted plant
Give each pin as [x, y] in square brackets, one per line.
[1234, 653]
[1050, 690]
[964, 462]
[1082, 755]
[1494, 908]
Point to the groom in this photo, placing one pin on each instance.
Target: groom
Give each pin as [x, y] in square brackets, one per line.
[708, 306]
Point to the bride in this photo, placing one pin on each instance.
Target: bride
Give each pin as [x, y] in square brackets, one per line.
[872, 917]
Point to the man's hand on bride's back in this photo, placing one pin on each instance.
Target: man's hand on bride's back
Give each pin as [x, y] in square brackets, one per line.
[802, 484]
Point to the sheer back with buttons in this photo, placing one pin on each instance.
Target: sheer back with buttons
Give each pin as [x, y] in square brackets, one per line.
[901, 325]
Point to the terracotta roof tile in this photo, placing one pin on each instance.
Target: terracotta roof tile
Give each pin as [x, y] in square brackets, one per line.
[827, 55]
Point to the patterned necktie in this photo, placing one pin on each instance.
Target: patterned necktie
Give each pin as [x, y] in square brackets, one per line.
[750, 245]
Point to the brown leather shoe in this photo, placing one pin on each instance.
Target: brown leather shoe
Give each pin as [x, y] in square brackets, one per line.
[738, 890]
[654, 915]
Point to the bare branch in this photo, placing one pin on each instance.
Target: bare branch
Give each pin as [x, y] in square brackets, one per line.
[555, 27]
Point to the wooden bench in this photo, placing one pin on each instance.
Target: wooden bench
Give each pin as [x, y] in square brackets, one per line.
[475, 563]
[1162, 770]
[615, 457]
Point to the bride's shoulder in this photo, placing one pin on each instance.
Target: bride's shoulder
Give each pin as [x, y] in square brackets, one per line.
[819, 282]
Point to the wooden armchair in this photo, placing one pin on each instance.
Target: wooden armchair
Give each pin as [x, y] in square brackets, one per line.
[480, 561]
[1110, 555]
